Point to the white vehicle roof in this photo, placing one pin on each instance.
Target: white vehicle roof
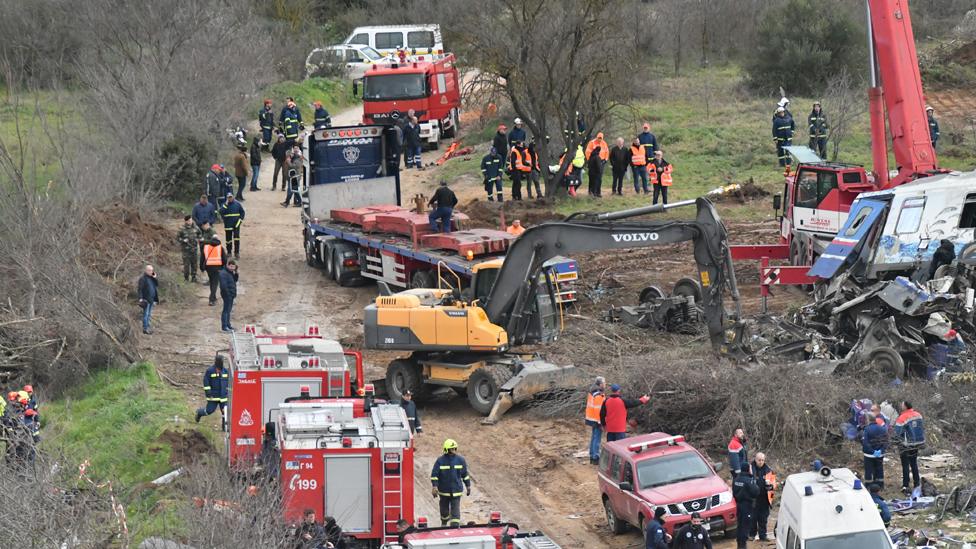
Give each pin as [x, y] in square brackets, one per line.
[942, 182]
[423, 26]
[817, 515]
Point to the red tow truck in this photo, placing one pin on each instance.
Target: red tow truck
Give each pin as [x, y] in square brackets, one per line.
[431, 88]
[266, 369]
[351, 458]
[641, 473]
[817, 197]
[493, 535]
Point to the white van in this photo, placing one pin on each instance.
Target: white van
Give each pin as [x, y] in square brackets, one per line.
[354, 59]
[421, 42]
[829, 509]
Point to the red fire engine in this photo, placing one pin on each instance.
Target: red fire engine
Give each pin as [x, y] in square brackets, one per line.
[347, 458]
[431, 88]
[266, 369]
[818, 196]
[494, 535]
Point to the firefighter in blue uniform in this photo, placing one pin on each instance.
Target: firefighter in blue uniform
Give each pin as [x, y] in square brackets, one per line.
[291, 122]
[322, 117]
[215, 385]
[744, 491]
[783, 128]
[449, 479]
[933, 126]
[266, 121]
[233, 215]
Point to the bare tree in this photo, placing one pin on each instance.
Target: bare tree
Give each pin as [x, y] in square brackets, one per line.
[845, 103]
[552, 61]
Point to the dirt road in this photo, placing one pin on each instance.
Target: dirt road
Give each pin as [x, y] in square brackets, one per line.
[523, 467]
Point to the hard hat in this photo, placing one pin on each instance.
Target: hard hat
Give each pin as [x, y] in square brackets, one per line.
[518, 120]
[23, 395]
[929, 108]
[12, 396]
[215, 167]
[267, 101]
[502, 127]
[450, 444]
[780, 109]
[29, 388]
[24, 401]
[316, 103]
[816, 102]
[783, 102]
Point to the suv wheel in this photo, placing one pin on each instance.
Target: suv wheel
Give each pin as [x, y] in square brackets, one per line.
[616, 525]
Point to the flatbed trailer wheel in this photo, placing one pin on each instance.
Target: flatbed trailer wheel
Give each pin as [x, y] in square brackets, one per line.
[484, 386]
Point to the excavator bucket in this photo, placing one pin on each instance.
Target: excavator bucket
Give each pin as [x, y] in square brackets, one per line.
[533, 378]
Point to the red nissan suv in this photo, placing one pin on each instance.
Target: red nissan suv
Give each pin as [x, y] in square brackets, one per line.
[641, 473]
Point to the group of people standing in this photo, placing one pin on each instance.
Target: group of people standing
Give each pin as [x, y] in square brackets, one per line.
[20, 425]
[517, 155]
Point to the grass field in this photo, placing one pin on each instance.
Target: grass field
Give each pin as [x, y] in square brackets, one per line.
[27, 123]
[115, 421]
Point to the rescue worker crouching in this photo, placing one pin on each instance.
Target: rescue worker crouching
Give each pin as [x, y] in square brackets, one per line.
[215, 385]
[449, 481]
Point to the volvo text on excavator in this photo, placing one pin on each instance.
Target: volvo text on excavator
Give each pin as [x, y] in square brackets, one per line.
[467, 341]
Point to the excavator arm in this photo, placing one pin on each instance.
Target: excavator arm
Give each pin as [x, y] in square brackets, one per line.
[511, 301]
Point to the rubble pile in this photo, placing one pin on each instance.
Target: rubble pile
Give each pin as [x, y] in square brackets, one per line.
[892, 328]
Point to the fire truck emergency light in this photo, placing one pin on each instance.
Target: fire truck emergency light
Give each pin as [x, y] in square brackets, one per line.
[422, 523]
[669, 441]
[313, 329]
[346, 442]
[249, 329]
[495, 517]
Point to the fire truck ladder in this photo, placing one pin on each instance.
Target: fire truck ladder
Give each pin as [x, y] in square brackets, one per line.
[245, 350]
[392, 480]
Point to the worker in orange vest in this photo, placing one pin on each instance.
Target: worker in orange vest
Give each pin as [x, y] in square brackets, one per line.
[520, 166]
[598, 141]
[212, 261]
[516, 228]
[594, 402]
[659, 171]
[638, 166]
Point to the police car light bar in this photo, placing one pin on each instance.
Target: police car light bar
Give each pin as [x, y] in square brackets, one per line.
[669, 441]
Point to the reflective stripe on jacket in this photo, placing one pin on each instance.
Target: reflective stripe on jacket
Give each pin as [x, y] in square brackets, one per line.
[450, 475]
[215, 384]
[637, 157]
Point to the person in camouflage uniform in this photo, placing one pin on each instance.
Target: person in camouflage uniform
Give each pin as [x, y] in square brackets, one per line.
[189, 239]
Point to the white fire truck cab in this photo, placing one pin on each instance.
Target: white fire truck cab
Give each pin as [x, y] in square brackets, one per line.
[347, 458]
[267, 369]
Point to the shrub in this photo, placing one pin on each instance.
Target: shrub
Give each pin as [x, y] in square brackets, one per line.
[802, 43]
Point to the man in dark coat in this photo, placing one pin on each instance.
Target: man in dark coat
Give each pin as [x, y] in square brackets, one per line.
[619, 164]
[594, 169]
[692, 535]
[411, 144]
[410, 407]
[763, 474]
[278, 152]
[148, 291]
[745, 491]
[228, 293]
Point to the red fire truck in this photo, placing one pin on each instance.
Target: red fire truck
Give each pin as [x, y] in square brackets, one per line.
[267, 369]
[493, 535]
[431, 88]
[347, 458]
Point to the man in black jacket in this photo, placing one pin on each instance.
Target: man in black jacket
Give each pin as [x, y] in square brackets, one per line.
[745, 491]
[228, 293]
[443, 203]
[148, 291]
[619, 164]
[500, 141]
[410, 407]
[594, 168]
[278, 152]
[411, 144]
[763, 474]
[692, 535]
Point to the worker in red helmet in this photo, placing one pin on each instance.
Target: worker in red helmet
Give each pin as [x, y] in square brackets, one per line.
[214, 183]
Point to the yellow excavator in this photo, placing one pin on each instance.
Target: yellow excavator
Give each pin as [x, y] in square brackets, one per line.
[466, 340]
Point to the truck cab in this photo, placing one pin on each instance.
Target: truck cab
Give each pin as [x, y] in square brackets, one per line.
[639, 474]
[829, 509]
[816, 199]
[431, 88]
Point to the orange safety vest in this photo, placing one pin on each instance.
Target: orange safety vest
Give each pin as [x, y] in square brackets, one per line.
[593, 405]
[520, 164]
[637, 156]
[665, 175]
[213, 259]
[770, 479]
[513, 230]
[604, 149]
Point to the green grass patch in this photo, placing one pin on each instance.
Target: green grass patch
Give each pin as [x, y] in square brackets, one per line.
[114, 421]
[27, 123]
[334, 93]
